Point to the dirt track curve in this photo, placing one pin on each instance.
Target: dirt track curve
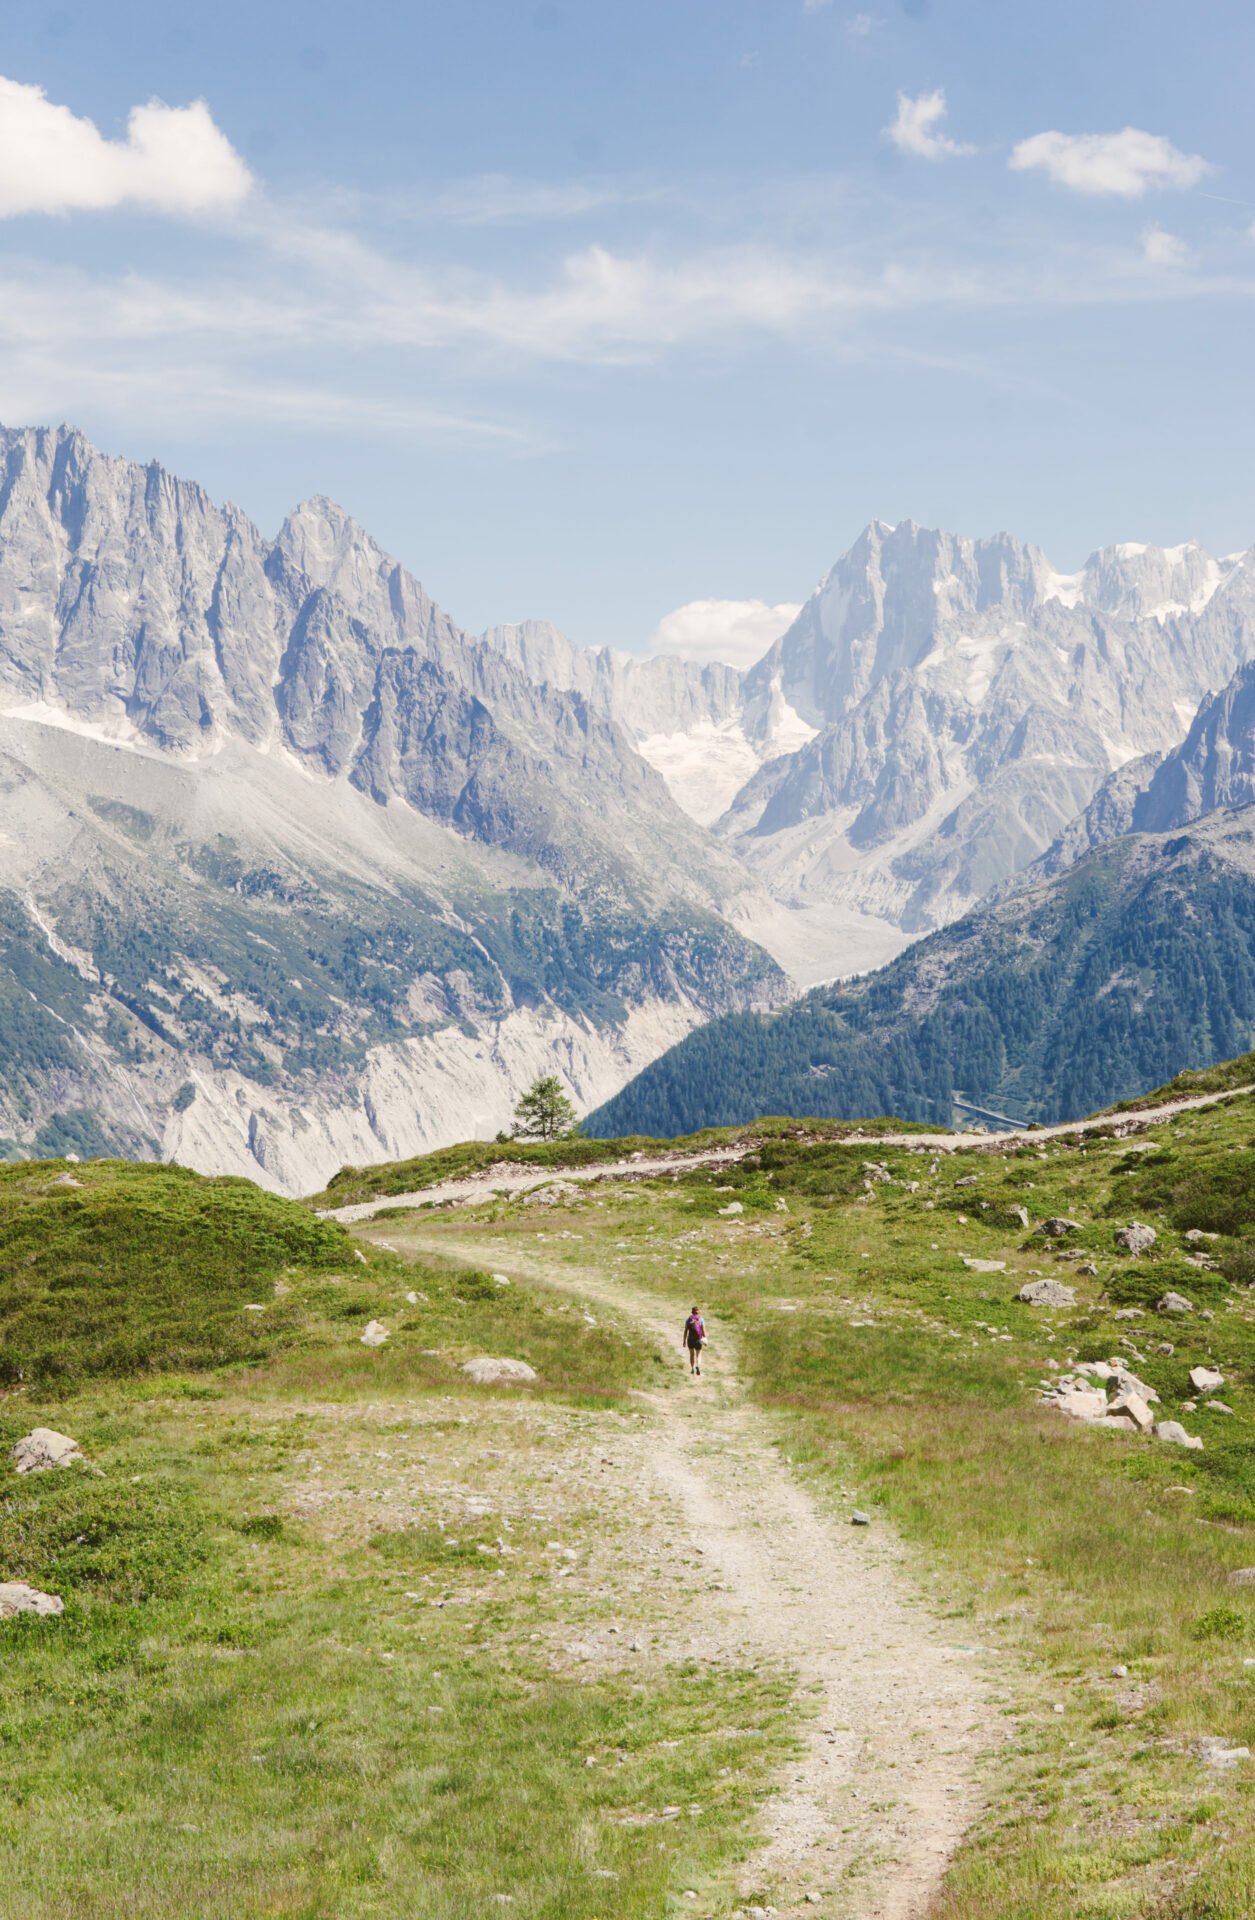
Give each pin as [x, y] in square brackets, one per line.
[513, 1179]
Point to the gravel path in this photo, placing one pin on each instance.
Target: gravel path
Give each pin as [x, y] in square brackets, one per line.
[891, 1715]
[481, 1187]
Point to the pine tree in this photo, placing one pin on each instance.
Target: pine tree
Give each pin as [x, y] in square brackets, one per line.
[544, 1112]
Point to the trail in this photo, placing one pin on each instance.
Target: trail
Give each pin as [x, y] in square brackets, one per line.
[890, 1718]
[513, 1179]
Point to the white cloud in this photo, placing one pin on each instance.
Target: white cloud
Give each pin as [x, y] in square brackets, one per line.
[815, 6]
[1124, 163]
[1164, 249]
[173, 159]
[914, 128]
[860, 26]
[736, 631]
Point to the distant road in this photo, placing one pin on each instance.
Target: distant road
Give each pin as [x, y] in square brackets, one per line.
[481, 1187]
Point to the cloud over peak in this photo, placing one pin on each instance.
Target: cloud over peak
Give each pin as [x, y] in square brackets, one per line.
[1124, 163]
[736, 631]
[916, 127]
[173, 159]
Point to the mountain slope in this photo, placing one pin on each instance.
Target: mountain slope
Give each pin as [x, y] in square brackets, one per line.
[1072, 993]
[294, 871]
[966, 701]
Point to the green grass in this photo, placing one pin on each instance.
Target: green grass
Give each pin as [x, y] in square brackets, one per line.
[296, 1674]
[900, 1374]
[234, 1719]
[355, 1184]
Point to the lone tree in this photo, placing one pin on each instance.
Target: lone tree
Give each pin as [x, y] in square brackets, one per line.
[544, 1112]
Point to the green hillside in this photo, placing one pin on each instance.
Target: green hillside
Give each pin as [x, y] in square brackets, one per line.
[1062, 999]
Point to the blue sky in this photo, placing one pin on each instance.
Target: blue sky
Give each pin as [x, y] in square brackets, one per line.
[591, 311]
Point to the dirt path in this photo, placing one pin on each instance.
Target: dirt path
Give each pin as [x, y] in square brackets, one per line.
[503, 1180]
[890, 1717]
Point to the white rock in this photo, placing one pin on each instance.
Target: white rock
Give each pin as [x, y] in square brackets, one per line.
[1174, 1432]
[488, 1372]
[983, 1266]
[501, 1279]
[1081, 1403]
[1134, 1408]
[1136, 1237]
[1174, 1303]
[860, 1519]
[16, 1597]
[375, 1335]
[1206, 1379]
[733, 1206]
[1046, 1293]
[43, 1448]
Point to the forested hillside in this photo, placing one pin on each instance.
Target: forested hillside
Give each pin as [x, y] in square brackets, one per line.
[1079, 991]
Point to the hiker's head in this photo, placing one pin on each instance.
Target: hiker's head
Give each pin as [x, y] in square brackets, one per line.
[696, 1311]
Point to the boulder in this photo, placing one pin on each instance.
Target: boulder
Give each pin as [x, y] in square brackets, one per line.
[1081, 1403]
[42, 1448]
[1134, 1409]
[1057, 1226]
[16, 1597]
[1195, 1234]
[1126, 1382]
[488, 1372]
[1174, 1303]
[1218, 1753]
[375, 1335]
[1174, 1433]
[1206, 1380]
[983, 1266]
[1046, 1293]
[551, 1195]
[968, 1180]
[1135, 1238]
[733, 1206]
[1021, 1214]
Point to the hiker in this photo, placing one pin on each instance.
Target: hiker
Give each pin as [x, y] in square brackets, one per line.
[695, 1339]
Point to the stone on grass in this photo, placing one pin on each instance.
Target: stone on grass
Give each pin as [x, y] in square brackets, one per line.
[376, 1334]
[1136, 1237]
[43, 1448]
[1127, 1382]
[488, 1372]
[1175, 1434]
[1080, 1403]
[860, 1519]
[1218, 1753]
[1020, 1214]
[16, 1597]
[983, 1266]
[1215, 1406]
[500, 1279]
[551, 1195]
[1057, 1226]
[1195, 1234]
[1174, 1303]
[733, 1206]
[1133, 1408]
[1242, 1577]
[1206, 1380]
[1046, 1293]
[968, 1180]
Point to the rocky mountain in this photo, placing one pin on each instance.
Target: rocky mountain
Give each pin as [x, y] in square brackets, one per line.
[1212, 768]
[294, 871]
[966, 701]
[1076, 991]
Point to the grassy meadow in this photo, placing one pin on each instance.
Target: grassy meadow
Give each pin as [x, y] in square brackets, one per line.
[1090, 1568]
[344, 1635]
